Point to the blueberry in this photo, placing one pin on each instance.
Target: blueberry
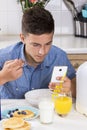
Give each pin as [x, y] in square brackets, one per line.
[23, 112]
[13, 111]
[16, 109]
[9, 112]
[19, 112]
[11, 115]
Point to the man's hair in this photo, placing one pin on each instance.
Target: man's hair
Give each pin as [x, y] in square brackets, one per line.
[37, 20]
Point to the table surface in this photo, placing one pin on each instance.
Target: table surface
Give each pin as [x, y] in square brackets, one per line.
[73, 121]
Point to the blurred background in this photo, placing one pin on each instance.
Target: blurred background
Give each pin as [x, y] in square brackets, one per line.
[67, 21]
[11, 14]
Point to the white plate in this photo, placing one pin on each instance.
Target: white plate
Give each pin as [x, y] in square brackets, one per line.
[34, 96]
[4, 113]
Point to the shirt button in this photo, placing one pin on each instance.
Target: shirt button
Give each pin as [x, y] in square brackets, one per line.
[17, 89]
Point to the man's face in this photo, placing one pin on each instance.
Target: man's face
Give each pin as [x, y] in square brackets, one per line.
[37, 46]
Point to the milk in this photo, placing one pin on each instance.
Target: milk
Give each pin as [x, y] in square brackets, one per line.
[46, 108]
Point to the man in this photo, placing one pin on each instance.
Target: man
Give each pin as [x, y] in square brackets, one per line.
[38, 55]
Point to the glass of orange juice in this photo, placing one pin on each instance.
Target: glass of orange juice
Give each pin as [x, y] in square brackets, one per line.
[62, 103]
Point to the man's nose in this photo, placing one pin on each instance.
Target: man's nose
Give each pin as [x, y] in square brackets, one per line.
[42, 50]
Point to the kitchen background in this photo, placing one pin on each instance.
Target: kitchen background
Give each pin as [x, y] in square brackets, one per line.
[10, 24]
[11, 13]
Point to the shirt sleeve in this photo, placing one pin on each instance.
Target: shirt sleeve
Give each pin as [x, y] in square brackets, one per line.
[71, 73]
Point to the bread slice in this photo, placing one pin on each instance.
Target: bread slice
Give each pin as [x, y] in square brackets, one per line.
[28, 114]
[13, 122]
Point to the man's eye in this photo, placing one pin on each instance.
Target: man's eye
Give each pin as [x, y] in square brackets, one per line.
[49, 43]
[35, 45]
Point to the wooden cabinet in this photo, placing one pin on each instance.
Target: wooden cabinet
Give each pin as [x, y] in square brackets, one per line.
[77, 59]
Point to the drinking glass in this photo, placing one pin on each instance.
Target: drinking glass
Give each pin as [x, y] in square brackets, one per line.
[62, 102]
[46, 108]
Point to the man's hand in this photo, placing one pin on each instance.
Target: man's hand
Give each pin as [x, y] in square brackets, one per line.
[66, 85]
[11, 70]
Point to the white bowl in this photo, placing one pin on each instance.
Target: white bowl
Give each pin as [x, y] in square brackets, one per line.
[34, 96]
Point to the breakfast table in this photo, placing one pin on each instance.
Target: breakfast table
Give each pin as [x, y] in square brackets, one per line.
[73, 121]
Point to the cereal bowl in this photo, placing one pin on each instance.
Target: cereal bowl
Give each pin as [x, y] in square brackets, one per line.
[34, 96]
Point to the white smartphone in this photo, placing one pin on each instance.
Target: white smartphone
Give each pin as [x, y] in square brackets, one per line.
[58, 71]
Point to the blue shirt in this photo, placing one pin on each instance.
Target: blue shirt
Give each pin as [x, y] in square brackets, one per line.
[32, 78]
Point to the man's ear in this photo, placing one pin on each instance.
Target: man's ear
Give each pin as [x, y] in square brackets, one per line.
[22, 37]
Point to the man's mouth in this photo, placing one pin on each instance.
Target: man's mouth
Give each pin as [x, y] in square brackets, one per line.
[40, 56]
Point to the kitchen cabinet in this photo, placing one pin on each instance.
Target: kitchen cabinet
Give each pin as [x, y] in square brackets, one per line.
[77, 59]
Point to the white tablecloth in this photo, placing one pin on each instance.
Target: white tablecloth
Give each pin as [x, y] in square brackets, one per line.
[73, 121]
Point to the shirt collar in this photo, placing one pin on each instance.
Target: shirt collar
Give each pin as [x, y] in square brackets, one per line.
[22, 56]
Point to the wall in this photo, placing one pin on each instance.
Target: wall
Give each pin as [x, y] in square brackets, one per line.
[11, 13]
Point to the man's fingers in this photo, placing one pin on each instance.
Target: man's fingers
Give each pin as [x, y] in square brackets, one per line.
[17, 63]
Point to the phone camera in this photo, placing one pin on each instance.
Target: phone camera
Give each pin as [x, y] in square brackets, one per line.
[60, 69]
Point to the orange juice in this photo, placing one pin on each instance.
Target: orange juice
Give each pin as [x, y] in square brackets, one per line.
[63, 104]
